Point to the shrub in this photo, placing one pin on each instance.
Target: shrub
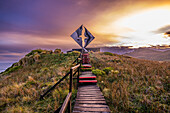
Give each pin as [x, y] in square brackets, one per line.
[76, 53]
[108, 53]
[116, 60]
[34, 51]
[108, 69]
[116, 72]
[98, 72]
[58, 51]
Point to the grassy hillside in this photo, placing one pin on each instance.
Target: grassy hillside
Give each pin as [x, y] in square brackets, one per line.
[22, 83]
[150, 54]
[132, 85]
[128, 84]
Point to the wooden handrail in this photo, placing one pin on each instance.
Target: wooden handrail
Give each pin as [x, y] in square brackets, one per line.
[50, 89]
[42, 96]
[75, 67]
[72, 72]
[66, 102]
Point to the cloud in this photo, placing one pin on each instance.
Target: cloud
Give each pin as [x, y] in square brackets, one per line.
[167, 33]
[30, 24]
[163, 29]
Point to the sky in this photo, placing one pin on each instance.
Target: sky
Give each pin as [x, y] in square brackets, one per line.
[31, 24]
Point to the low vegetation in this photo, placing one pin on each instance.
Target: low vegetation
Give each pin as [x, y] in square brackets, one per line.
[22, 83]
[132, 85]
[128, 84]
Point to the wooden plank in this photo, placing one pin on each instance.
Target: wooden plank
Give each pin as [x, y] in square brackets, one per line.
[91, 91]
[89, 87]
[90, 94]
[94, 109]
[87, 81]
[90, 98]
[84, 112]
[87, 74]
[96, 99]
[91, 105]
[91, 102]
[75, 67]
[65, 104]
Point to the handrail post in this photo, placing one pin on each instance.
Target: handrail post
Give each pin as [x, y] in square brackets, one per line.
[70, 89]
[78, 77]
[78, 74]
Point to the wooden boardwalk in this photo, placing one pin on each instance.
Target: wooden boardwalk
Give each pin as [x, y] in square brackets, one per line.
[89, 97]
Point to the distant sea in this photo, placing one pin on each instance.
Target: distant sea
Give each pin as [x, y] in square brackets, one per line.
[4, 66]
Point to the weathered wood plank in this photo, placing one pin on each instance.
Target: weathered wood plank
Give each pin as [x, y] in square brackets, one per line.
[94, 109]
[85, 112]
[87, 97]
[89, 89]
[90, 92]
[90, 96]
[65, 104]
[91, 105]
[95, 99]
[92, 102]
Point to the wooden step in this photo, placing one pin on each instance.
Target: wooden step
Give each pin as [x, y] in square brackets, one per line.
[86, 66]
[93, 109]
[95, 99]
[86, 72]
[86, 77]
[91, 106]
[90, 102]
[87, 81]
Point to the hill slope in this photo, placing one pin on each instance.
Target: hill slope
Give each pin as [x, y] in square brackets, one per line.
[132, 85]
[128, 84]
[22, 84]
[150, 54]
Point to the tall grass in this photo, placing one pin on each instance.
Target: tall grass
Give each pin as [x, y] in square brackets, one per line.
[133, 85]
[20, 89]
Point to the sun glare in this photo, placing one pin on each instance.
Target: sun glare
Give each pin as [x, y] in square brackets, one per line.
[148, 20]
[140, 27]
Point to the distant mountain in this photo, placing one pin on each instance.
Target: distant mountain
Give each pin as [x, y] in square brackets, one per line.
[150, 54]
[117, 50]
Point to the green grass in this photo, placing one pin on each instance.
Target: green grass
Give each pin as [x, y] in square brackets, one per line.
[12, 69]
[132, 85]
[21, 86]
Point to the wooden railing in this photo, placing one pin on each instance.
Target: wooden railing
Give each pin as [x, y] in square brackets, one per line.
[67, 102]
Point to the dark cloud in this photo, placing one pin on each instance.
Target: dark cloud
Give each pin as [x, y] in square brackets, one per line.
[43, 17]
[167, 33]
[55, 19]
[163, 29]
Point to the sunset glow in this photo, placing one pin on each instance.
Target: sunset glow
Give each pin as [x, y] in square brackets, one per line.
[49, 24]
